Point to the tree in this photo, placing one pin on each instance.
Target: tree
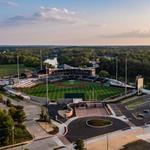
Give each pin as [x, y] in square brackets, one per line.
[8, 103]
[42, 114]
[6, 128]
[104, 73]
[17, 114]
[79, 145]
[12, 112]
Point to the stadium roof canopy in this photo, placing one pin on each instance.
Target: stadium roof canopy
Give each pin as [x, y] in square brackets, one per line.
[65, 66]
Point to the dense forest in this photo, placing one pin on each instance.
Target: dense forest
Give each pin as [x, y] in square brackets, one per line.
[138, 57]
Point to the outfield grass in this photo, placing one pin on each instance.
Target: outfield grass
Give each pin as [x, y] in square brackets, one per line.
[11, 69]
[92, 91]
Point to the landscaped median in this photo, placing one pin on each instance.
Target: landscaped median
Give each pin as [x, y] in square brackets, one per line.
[46, 123]
[49, 127]
[98, 123]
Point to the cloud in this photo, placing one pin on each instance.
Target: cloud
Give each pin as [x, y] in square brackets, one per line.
[96, 25]
[55, 14]
[131, 34]
[45, 14]
[8, 4]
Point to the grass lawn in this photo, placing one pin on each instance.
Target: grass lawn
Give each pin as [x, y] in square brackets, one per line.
[133, 104]
[92, 91]
[138, 145]
[21, 135]
[99, 122]
[11, 69]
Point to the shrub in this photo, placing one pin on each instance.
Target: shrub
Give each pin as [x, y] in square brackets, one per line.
[79, 145]
[8, 103]
[19, 107]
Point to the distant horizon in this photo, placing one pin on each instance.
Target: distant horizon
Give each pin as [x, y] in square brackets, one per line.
[64, 45]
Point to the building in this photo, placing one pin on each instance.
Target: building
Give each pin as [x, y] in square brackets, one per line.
[139, 83]
[68, 72]
[52, 62]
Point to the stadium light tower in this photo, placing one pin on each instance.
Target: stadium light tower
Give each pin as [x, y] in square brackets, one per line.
[47, 99]
[126, 75]
[41, 59]
[18, 70]
[116, 68]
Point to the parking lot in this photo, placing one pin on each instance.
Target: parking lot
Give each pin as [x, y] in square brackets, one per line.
[140, 114]
[78, 129]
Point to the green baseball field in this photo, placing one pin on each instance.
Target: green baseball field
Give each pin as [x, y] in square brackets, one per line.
[57, 90]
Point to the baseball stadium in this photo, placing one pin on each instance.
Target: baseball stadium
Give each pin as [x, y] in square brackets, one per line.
[73, 81]
[86, 105]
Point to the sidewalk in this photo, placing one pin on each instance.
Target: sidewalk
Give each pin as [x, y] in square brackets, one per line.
[115, 140]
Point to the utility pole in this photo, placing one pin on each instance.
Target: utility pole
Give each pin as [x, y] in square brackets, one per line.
[116, 68]
[18, 69]
[47, 99]
[126, 75]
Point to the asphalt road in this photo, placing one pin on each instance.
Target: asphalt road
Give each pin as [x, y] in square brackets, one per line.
[78, 129]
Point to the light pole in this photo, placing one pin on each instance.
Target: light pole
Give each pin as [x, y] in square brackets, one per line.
[107, 141]
[41, 59]
[116, 68]
[126, 75]
[13, 128]
[47, 99]
[18, 69]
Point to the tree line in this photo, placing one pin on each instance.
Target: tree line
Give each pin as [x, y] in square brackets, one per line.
[138, 57]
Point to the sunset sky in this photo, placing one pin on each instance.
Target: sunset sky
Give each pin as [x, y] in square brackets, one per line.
[75, 22]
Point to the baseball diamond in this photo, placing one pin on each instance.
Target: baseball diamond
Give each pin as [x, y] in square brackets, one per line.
[57, 90]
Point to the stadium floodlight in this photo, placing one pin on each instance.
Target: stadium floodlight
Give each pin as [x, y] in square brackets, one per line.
[47, 99]
[41, 59]
[116, 68]
[126, 75]
[18, 70]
